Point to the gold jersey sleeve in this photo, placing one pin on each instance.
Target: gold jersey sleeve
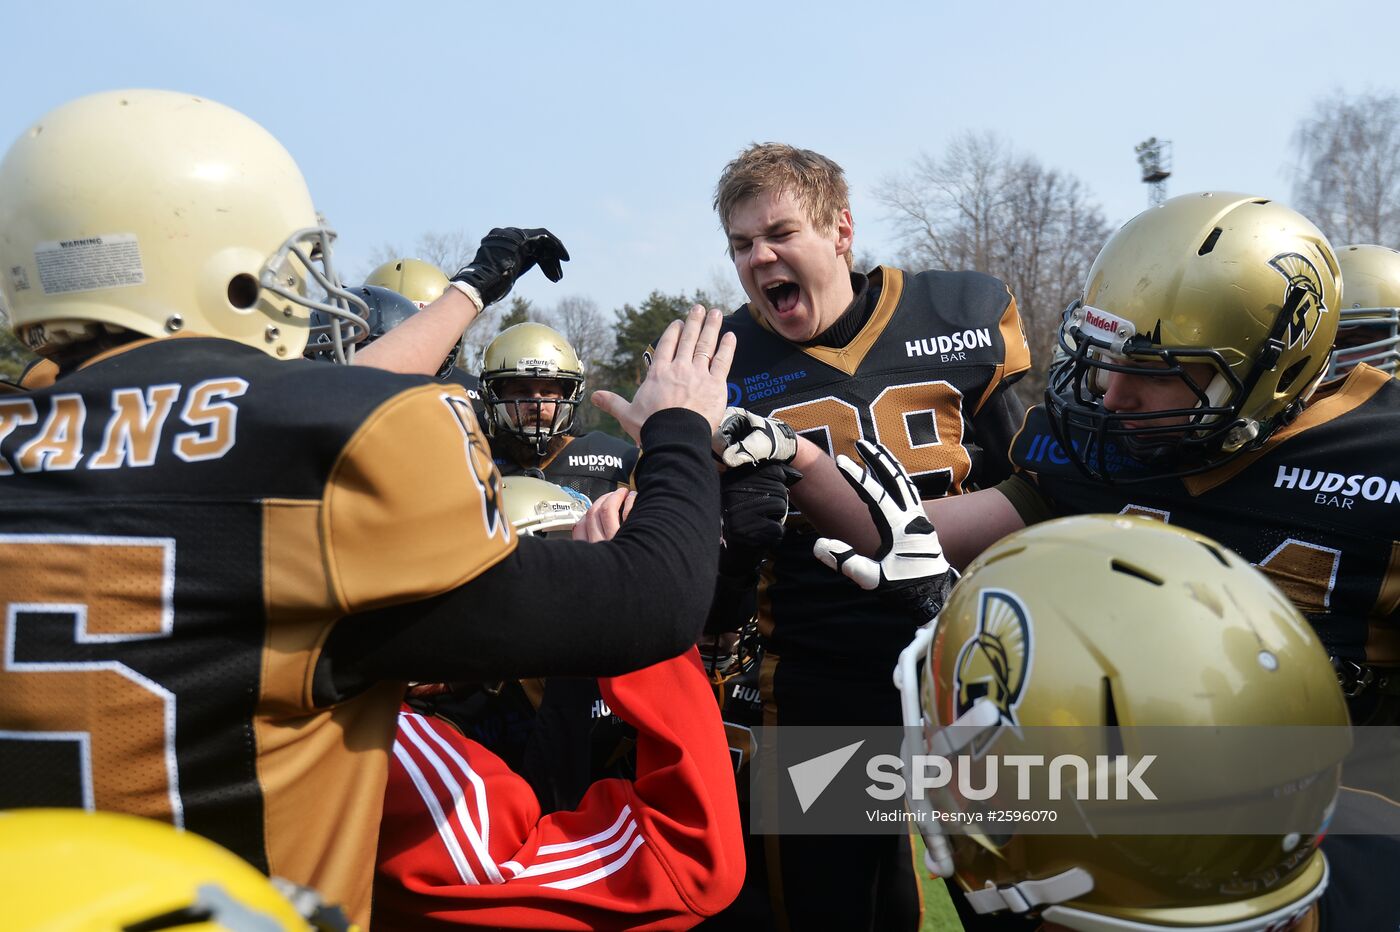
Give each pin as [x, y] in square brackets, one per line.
[413, 506]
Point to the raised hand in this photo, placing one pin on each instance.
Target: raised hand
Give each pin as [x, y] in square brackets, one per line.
[505, 254]
[911, 571]
[688, 370]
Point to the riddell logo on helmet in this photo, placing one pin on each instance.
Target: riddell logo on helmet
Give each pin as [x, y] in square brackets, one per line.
[1103, 323]
[1107, 326]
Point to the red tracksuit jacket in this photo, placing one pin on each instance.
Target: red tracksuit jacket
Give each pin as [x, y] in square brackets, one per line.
[462, 842]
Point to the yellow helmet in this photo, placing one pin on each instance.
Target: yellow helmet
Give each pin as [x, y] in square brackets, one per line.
[156, 212]
[1368, 328]
[530, 351]
[418, 281]
[1111, 620]
[539, 508]
[1243, 284]
[103, 872]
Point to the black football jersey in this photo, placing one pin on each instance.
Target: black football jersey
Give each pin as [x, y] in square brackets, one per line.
[182, 523]
[926, 376]
[593, 464]
[1317, 508]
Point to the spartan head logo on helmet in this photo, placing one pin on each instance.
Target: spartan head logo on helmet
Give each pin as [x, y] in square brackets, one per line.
[1302, 294]
[994, 663]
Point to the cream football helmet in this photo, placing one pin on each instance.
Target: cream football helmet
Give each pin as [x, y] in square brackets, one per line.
[1125, 621]
[1368, 328]
[530, 351]
[70, 869]
[156, 212]
[538, 508]
[418, 281]
[1242, 284]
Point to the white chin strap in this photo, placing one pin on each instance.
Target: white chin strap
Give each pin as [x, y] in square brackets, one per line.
[1029, 894]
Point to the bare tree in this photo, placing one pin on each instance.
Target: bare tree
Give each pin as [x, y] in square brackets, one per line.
[591, 336]
[448, 251]
[1347, 179]
[983, 207]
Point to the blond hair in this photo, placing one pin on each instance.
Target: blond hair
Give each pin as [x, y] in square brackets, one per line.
[816, 181]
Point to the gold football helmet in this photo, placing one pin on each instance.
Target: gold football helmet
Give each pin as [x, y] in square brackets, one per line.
[1243, 284]
[540, 508]
[418, 281]
[530, 351]
[101, 871]
[1368, 328]
[1124, 621]
[155, 212]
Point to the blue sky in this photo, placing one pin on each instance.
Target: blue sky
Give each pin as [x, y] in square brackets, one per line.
[609, 122]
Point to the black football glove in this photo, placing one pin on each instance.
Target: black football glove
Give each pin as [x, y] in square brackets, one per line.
[911, 572]
[505, 254]
[754, 504]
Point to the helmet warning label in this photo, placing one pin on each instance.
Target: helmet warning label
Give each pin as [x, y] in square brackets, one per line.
[112, 260]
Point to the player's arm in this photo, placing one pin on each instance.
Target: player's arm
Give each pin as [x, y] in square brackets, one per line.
[419, 344]
[421, 556]
[967, 524]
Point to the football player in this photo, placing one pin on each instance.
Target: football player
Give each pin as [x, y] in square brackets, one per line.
[1189, 393]
[531, 385]
[921, 361]
[465, 842]
[1368, 327]
[1040, 615]
[220, 562]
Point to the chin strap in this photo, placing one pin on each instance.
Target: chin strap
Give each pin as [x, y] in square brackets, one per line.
[1029, 894]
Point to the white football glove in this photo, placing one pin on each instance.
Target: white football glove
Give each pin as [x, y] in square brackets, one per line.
[911, 570]
[748, 439]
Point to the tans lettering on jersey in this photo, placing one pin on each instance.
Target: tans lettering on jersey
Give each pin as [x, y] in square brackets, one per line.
[596, 461]
[213, 417]
[59, 445]
[133, 433]
[952, 344]
[17, 413]
[1336, 489]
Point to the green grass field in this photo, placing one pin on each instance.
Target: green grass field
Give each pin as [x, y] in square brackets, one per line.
[939, 915]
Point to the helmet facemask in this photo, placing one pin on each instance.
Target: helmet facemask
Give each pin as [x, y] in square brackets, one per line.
[1178, 441]
[341, 317]
[1368, 335]
[525, 418]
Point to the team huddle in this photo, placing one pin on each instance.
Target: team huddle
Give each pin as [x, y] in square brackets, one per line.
[312, 622]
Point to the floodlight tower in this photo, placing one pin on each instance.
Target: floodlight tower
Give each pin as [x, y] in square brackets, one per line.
[1155, 157]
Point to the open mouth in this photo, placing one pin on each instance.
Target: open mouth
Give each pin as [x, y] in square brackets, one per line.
[783, 296]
